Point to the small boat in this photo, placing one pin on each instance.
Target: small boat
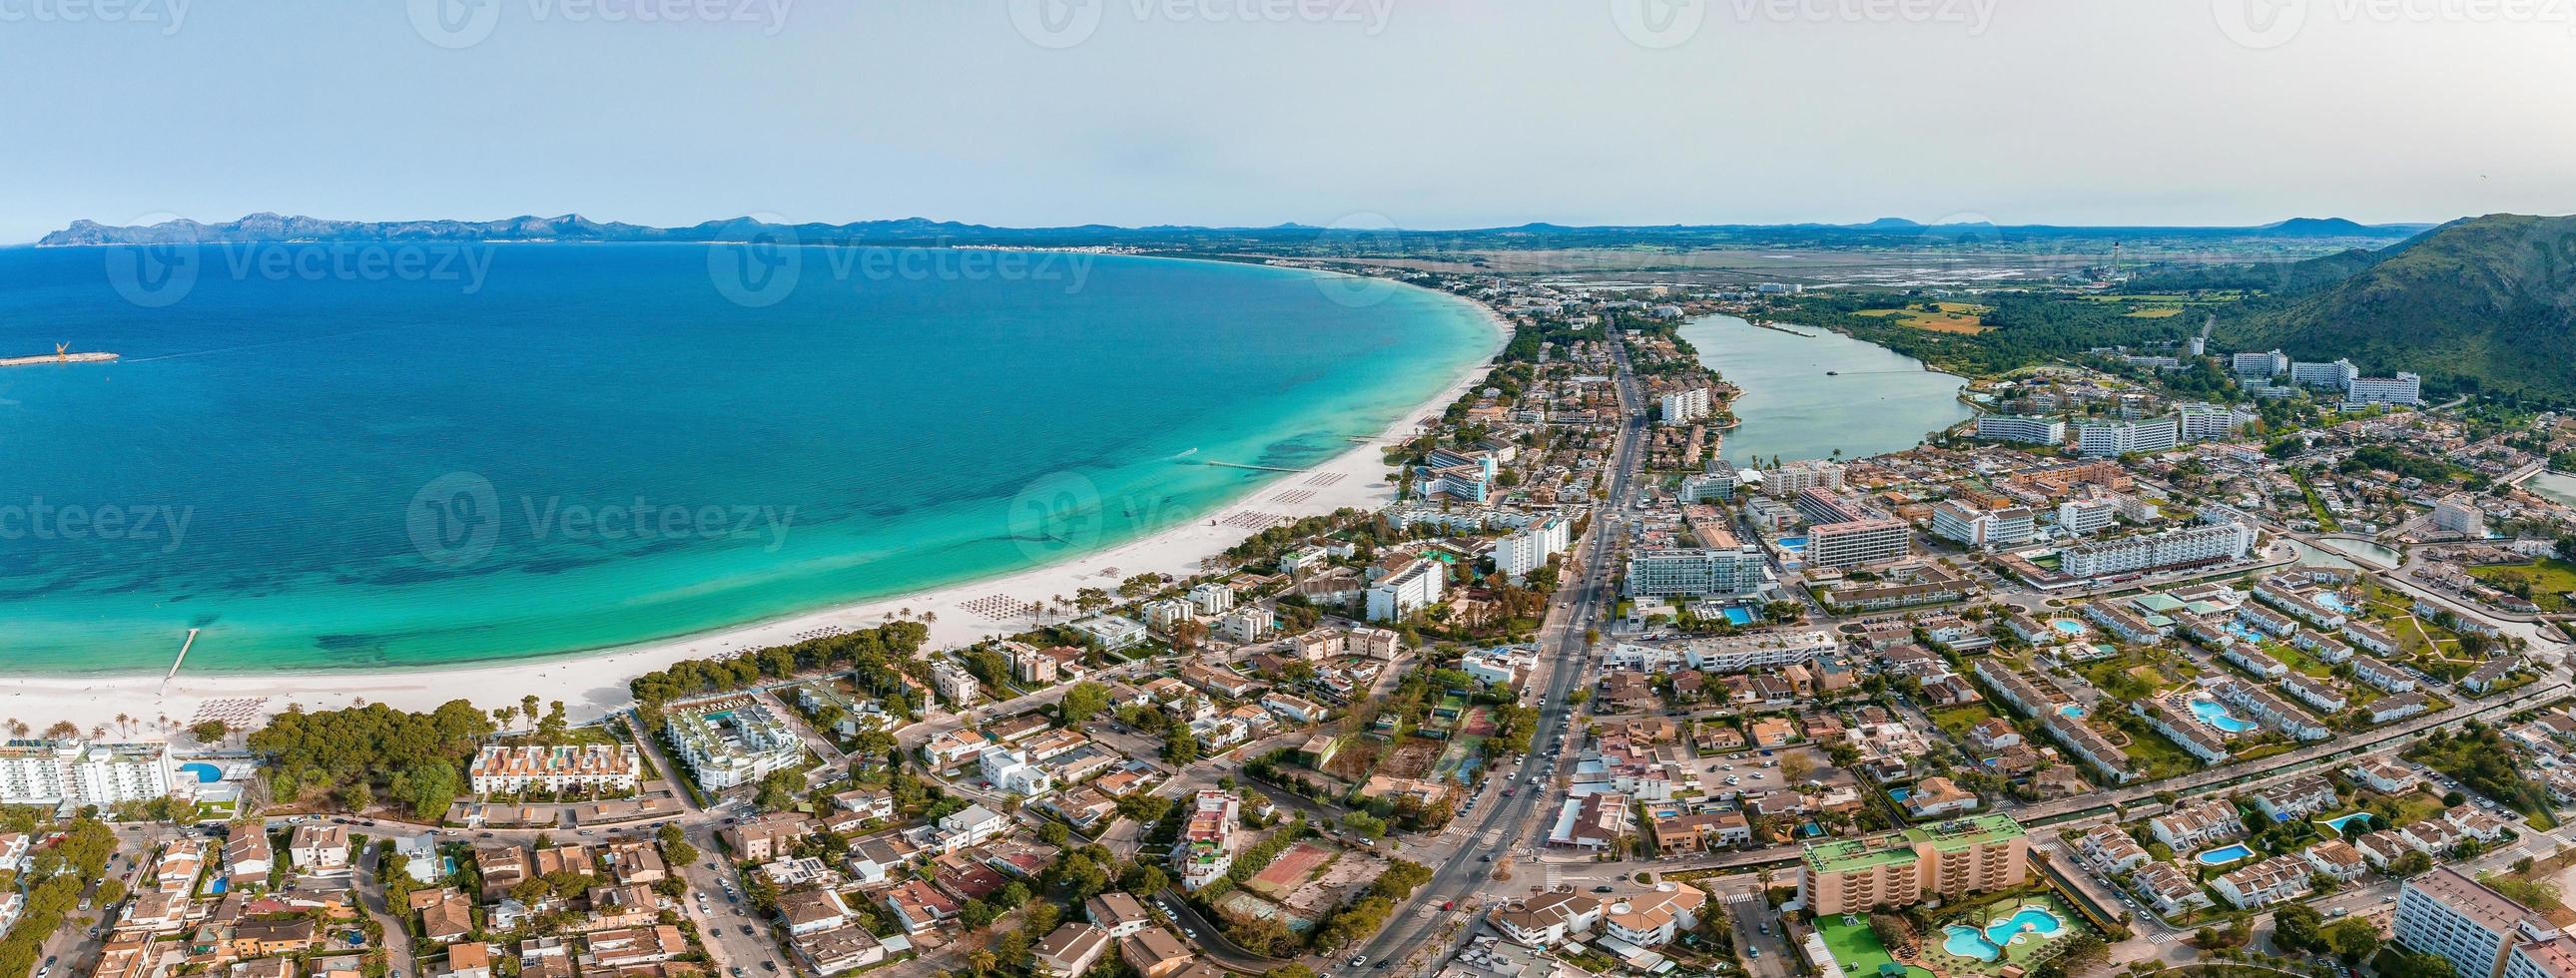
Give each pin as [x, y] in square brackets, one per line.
[1833, 373]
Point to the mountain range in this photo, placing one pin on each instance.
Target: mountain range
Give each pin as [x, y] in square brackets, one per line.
[268, 227]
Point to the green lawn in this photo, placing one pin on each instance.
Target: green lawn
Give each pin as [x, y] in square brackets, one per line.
[2545, 580]
[1857, 947]
[1956, 720]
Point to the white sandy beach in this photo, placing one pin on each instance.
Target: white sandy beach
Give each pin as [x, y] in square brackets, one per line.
[593, 684]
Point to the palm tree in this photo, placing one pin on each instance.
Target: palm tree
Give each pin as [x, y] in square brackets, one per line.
[929, 616]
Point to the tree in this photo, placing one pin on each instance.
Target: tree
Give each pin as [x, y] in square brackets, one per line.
[1181, 746]
[1081, 702]
[210, 731]
[2295, 926]
[2351, 939]
[676, 849]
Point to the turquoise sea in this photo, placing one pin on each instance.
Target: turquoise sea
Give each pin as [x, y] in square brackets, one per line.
[366, 457]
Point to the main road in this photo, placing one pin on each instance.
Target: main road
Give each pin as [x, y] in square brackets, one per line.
[1414, 925]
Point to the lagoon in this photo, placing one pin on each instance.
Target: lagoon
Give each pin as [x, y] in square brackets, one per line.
[1878, 401]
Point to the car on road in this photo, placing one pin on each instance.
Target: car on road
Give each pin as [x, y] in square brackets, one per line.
[769, 966]
[746, 930]
[1360, 962]
[1602, 889]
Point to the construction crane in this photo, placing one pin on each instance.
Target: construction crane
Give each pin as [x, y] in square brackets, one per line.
[62, 353]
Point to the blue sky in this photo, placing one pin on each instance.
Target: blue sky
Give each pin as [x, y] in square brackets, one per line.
[1424, 113]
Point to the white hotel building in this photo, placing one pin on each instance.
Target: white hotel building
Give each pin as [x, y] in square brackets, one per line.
[1410, 587]
[1976, 527]
[1696, 572]
[1528, 550]
[2401, 389]
[2475, 928]
[2228, 541]
[51, 772]
[1686, 406]
[2113, 439]
[2028, 430]
[730, 741]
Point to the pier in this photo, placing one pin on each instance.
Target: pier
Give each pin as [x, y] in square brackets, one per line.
[1777, 328]
[58, 356]
[182, 659]
[1256, 468]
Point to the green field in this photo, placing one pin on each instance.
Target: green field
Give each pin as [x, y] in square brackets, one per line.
[2545, 582]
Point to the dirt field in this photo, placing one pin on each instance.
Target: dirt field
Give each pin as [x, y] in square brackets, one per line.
[1413, 758]
[1289, 871]
[1317, 899]
[1353, 761]
[1954, 317]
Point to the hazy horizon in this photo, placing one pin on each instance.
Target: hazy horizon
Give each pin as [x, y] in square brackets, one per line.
[1252, 113]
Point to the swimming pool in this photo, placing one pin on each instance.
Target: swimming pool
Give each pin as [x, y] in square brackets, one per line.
[1988, 944]
[2066, 626]
[1798, 544]
[2338, 823]
[2071, 711]
[2333, 600]
[2220, 857]
[2217, 716]
[206, 773]
[1739, 616]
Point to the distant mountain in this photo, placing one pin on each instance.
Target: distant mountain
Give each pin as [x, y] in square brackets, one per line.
[267, 227]
[2335, 227]
[2482, 303]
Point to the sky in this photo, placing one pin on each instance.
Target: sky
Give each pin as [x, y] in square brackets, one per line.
[1417, 113]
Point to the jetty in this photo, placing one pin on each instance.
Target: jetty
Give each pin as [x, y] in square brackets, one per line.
[181, 660]
[1257, 468]
[62, 354]
[1777, 328]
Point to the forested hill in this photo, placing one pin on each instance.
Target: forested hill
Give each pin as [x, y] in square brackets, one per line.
[2482, 304]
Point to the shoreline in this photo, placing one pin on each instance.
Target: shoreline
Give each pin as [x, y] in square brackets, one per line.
[594, 683]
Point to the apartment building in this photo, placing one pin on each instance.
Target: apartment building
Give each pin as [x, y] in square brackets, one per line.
[2148, 551]
[2025, 429]
[1684, 406]
[731, 740]
[1697, 572]
[1206, 848]
[1975, 527]
[1520, 553]
[2405, 388]
[1987, 852]
[597, 767]
[2111, 439]
[2448, 914]
[1407, 587]
[1856, 542]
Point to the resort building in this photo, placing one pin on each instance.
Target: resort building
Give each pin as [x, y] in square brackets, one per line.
[952, 682]
[595, 767]
[1546, 919]
[1684, 406]
[1970, 855]
[1520, 553]
[1759, 650]
[2271, 881]
[2405, 388]
[731, 741]
[53, 772]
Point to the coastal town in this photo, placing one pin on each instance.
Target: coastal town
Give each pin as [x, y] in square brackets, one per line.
[2165, 655]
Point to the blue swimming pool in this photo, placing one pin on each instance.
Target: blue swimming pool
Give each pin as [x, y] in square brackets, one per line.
[2338, 823]
[1798, 544]
[2221, 857]
[2071, 711]
[2217, 716]
[206, 773]
[2066, 626]
[1989, 943]
[2333, 600]
[1739, 616]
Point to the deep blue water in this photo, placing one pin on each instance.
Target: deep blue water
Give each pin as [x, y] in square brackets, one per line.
[356, 458]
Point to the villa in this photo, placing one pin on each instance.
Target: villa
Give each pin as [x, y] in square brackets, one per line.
[2265, 883]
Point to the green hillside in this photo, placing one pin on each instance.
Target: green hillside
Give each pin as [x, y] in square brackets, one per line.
[2482, 304]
